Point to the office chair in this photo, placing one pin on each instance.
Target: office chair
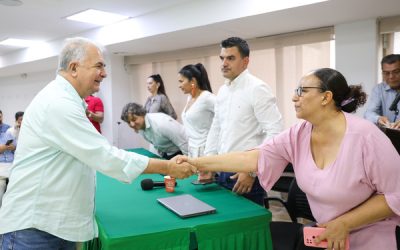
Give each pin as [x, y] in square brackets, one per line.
[283, 183]
[289, 235]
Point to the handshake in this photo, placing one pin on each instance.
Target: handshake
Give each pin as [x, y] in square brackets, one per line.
[181, 167]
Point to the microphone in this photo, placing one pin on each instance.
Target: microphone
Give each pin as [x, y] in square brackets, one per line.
[148, 184]
[393, 106]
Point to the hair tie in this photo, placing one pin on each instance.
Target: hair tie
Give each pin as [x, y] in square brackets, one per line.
[347, 101]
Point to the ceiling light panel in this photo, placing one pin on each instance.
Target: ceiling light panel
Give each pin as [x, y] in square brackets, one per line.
[97, 17]
[20, 42]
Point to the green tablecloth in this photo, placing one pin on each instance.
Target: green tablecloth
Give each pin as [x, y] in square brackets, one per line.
[130, 218]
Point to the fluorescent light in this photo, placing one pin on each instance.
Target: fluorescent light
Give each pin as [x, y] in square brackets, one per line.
[97, 17]
[10, 2]
[19, 42]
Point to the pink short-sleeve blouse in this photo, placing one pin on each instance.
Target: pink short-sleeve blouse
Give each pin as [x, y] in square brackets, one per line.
[367, 163]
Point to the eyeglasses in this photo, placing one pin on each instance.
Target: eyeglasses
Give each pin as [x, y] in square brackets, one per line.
[99, 66]
[299, 90]
[395, 72]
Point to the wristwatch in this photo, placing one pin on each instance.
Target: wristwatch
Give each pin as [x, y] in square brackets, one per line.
[253, 174]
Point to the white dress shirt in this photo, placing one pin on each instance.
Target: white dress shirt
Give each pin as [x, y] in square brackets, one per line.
[197, 122]
[246, 114]
[166, 134]
[52, 183]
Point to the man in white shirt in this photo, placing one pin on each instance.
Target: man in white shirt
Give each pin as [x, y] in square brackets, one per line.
[49, 203]
[165, 133]
[246, 114]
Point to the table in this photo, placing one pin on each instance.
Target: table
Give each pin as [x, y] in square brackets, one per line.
[130, 218]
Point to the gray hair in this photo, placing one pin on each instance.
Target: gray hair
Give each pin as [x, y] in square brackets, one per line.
[132, 109]
[74, 49]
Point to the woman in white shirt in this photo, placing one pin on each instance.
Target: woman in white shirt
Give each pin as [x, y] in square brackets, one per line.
[198, 113]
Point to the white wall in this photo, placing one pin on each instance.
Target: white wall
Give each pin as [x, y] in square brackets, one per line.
[117, 92]
[16, 92]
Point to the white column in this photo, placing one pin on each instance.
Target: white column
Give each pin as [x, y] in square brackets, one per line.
[356, 54]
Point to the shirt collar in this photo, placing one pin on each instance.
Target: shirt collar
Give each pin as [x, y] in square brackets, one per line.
[147, 126]
[237, 79]
[70, 90]
[386, 86]
[146, 121]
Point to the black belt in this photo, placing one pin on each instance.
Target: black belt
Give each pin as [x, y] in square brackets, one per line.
[166, 156]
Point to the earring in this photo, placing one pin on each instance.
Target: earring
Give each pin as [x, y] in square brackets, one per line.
[193, 90]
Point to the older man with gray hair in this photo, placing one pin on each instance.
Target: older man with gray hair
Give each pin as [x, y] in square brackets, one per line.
[49, 203]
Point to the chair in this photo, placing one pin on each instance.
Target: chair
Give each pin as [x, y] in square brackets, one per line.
[289, 235]
[283, 183]
[398, 237]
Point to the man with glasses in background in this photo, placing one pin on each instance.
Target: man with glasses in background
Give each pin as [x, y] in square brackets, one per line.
[380, 109]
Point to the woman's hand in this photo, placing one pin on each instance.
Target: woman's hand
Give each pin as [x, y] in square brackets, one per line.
[336, 234]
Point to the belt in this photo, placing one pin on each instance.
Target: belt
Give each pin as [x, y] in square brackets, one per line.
[167, 156]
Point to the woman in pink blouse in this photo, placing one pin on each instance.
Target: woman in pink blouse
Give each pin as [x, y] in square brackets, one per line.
[348, 168]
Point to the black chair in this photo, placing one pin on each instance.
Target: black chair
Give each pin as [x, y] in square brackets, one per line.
[398, 237]
[289, 235]
[283, 183]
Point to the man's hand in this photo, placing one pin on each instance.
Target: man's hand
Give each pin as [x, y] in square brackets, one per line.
[336, 234]
[395, 125]
[383, 121]
[243, 184]
[181, 170]
[11, 147]
[205, 175]
[180, 159]
[4, 147]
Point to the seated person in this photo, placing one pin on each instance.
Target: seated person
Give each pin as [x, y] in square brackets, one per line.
[7, 148]
[166, 134]
[13, 132]
[384, 93]
[7, 152]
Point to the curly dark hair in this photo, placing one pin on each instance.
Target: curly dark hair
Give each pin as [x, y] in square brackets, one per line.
[132, 109]
[346, 98]
[239, 43]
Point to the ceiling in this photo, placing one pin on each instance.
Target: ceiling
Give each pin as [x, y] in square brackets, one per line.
[44, 20]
